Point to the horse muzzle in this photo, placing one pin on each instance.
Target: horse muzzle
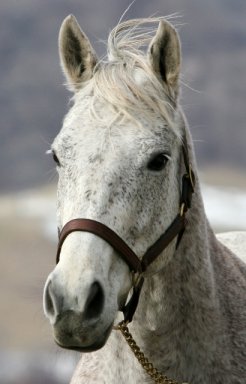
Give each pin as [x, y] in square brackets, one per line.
[78, 328]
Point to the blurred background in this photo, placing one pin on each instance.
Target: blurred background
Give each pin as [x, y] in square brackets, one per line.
[33, 103]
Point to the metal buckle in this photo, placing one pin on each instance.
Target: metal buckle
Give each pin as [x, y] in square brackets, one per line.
[182, 210]
[192, 177]
[136, 276]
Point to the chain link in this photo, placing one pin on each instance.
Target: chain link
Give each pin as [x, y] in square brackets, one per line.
[157, 376]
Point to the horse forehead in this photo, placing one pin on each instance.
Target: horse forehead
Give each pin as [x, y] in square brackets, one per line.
[96, 145]
[112, 132]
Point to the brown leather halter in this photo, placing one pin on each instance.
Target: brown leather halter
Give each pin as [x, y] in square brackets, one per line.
[135, 264]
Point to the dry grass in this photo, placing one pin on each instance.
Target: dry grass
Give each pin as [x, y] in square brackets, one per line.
[26, 259]
[224, 177]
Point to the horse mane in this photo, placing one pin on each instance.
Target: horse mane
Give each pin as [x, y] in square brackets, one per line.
[125, 79]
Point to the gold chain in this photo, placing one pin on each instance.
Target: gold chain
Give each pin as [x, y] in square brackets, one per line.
[157, 376]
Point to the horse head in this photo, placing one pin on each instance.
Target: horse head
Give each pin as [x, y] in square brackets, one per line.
[118, 157]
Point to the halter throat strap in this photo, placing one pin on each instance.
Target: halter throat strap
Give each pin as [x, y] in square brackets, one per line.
[176, 229]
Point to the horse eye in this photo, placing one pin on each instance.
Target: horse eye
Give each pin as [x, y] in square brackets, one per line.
[158, 163]
[55, 158]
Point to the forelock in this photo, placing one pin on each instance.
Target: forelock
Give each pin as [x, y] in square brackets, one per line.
[125, 80]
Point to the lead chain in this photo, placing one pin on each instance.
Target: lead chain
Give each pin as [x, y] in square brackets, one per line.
[157, 376]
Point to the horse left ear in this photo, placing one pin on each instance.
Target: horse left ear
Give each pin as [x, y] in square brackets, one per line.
[77, 56]
[165, 57]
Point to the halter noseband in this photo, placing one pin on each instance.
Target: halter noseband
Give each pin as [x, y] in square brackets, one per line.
[135, 264]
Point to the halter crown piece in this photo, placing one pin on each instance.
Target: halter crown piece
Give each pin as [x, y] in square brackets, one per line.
[137, 266]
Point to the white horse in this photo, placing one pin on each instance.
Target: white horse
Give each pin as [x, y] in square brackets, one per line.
[120, 162]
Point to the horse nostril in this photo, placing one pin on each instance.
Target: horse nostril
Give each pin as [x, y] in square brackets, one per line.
[95, 301]
[49, 305]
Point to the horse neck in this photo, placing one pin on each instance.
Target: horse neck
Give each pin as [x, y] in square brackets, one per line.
[183, 291]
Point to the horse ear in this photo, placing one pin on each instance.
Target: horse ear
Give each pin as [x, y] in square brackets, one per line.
[77, 56]
[165, 57]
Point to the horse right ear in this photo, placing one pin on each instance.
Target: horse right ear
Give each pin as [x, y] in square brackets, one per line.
[77, 56]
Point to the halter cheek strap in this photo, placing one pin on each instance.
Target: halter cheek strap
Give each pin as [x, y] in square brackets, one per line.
[176, 229]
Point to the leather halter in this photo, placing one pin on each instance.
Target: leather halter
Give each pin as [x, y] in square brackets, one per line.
[136, 265]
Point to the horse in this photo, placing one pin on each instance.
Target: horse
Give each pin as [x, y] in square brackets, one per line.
[134, 237]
